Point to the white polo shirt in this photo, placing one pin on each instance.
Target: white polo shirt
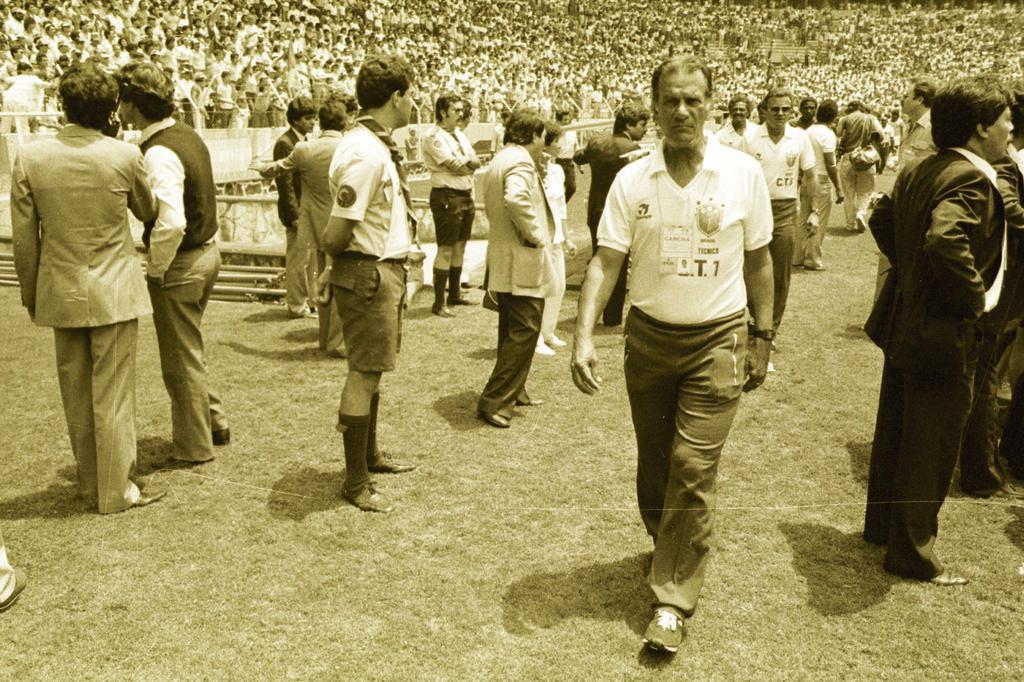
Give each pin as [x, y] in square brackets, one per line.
[823, 140]
[688, 243]
[783, 162]
[366, 188]
[728, 136]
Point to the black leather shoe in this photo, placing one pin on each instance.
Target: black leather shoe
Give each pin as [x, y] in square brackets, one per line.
[384, 464]
[460, 301]
[149, 496]
[495, 420]
[443, 311]
[369, 500]
[222, 437]
[19, 586]
[177, 463]
[1008, 491]
[531, 402]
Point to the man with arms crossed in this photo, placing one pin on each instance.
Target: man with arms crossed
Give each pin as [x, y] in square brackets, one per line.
[697, 218]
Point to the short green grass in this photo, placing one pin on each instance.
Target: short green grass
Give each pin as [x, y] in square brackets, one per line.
[513, 554]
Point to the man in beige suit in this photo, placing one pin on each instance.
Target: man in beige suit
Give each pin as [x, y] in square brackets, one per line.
[80, 275]
[520, 266]
[311, 159]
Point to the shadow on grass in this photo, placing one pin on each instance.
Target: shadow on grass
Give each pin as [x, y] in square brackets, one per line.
[300, 493]
[614, 591]
[59, 501]
[1015, 528]
[304, 335]
[656, 660]
[310, 354]
[854, 332]
[860, 459]
[152, 453]
[459, 410]
[844, 574]
[269, 314]
[842, 232]
[483, 354]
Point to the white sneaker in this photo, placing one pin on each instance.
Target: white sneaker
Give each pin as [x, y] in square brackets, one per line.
[556, 342]
[543, 349]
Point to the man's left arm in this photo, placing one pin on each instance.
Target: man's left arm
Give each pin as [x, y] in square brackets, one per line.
[947, 247]
[808, 172]
[167, 178]
[758, 276]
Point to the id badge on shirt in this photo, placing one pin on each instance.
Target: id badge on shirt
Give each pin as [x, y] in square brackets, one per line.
[676, 250]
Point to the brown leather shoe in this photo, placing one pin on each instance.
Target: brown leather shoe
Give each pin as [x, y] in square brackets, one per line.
[443, 311]
[530, 402]
[494, 419]
[222, 437]
[385, 464]
[461, 300]
[370, 500]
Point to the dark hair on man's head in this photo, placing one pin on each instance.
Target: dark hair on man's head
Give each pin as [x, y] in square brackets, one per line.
[628, 115]
[298, 108]
[380, 77]
[88, 95]
[552, 131]
[333, 114]
[1017, 107]
[962, 105]
[808, 99]
[443, 104]
[855, 105]
[563, 115]
[827, 111]
[682, 63]
[523, 126]
[925, 89]
[149, 88]
[25, 67]
[738, 98]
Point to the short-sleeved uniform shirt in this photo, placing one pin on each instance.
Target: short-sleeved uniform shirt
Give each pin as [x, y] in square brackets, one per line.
[728, 136]
[783, 161]
[688, 242]
[439, 147]
[367, 189]
[823, 140]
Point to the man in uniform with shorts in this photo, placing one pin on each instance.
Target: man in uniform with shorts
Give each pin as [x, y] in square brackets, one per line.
[369, 236]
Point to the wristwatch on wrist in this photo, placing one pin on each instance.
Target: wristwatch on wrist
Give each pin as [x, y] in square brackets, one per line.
[766, 334]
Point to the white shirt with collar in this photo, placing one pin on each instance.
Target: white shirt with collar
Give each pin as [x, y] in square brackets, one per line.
[783, 161]
[688, 243]
[167, 178]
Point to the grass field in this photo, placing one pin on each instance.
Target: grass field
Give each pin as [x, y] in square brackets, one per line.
[513, 554]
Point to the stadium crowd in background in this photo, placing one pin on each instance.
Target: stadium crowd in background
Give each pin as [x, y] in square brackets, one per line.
[240, 63]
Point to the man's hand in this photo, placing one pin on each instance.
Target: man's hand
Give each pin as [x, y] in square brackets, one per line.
[584, 367]
[813, 224]
[157, 281]
[323, 288]
[839, 197]
[758, 351]
[570, 247]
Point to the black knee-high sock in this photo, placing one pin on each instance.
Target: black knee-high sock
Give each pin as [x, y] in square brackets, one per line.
[440, 280]
[454, 283]
[372, 453]
[356, 428]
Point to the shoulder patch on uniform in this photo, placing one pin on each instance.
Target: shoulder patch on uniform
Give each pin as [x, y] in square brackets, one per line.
[437, 143]
[346, 196]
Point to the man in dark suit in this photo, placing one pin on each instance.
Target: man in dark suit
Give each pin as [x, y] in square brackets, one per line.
[944, 232]
[607, 155]
[302, 116]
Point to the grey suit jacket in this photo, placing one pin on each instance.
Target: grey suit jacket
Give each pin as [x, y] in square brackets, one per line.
[73, 250]
[520, 260]
[311, 159]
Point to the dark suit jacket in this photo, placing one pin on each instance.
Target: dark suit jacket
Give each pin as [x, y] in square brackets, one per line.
[942, 231]
[1008, 312]
[604, 154]
[289, 188]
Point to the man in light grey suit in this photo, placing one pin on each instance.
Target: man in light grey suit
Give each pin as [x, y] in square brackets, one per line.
[79, 274]
[311, 159]
[520, 266]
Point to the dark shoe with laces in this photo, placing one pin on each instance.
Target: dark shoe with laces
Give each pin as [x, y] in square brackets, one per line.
[665, 631]
[222, 437]
[442, 311]
[384, 463]
[369, 499]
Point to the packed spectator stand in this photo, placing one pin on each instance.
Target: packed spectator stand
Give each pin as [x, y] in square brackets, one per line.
[238, 63]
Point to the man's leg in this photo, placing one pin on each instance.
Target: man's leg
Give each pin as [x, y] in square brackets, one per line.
[74, 374]
[781, 248]
[884, 455]
[354, 423]
[864, 185]
[800, 238]
[177, 315]
[466, 217]
[444, 211]
[515, 354]
[553, 303]
[934, 414]
[296, 259]
[113, 404]
[812, 255]
[7, 579]
[331, 338]
[848, 181]
[981, 474]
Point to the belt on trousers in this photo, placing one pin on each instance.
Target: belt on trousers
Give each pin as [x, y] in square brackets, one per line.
[452, 190]
[193, 247]
[359, 255]
[694, 328]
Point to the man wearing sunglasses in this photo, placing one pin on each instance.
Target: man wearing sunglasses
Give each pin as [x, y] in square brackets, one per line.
[787, 159]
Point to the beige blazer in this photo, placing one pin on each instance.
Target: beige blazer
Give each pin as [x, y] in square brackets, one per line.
[311, 159]
[519, 245]
[73, 251]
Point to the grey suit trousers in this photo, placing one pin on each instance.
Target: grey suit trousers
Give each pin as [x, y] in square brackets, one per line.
[96, 371]
[178, 308]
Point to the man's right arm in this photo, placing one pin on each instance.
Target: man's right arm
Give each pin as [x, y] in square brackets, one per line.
[288, 207]
[519, 185]
[25, 230]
